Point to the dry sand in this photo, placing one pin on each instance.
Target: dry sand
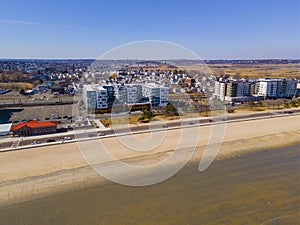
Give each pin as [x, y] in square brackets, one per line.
[36, 172]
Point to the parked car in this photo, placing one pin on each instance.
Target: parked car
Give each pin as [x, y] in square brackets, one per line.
[66, 138]
[35, 142]
[288, 112]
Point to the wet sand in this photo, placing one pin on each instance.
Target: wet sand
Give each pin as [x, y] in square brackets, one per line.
[250, 182]
[257, 188]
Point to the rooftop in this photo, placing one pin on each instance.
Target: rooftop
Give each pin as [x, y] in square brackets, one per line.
[5, 127]
[88, 87]
[34, 124]
[152, 85]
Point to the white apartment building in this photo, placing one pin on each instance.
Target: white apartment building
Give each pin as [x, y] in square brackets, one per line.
[289, 87]
[89, 96]
[298, 89]
[269, 87]
[236, 90]
[101, 100]
[129, 93]
[242, 89]
[134, 93]
[277, 88]
[220, 90]
[158, 95]
[95, 97]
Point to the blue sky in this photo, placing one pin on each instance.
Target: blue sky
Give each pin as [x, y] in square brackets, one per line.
[214, 29]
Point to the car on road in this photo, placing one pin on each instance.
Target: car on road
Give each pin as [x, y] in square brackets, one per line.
[51, 140]
[67, 138]
[35, 142]
[101, 134]
[288, 112]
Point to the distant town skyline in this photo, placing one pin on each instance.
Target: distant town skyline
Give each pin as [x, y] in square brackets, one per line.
[212, 29]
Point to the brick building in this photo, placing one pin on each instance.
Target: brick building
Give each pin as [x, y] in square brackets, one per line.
[34, 127]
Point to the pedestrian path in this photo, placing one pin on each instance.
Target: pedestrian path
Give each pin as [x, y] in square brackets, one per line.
[99, 124]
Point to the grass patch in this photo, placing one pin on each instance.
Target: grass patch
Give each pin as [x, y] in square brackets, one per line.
[107, 122]
[249, 70]
[16, 86]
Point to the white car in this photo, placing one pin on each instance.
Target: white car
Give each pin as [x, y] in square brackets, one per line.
[66, 138]
[35, 142]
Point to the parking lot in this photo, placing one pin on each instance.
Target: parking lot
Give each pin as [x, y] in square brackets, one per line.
[62, 113]
[15, 98]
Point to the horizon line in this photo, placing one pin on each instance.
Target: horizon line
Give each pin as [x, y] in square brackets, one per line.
[211, 59]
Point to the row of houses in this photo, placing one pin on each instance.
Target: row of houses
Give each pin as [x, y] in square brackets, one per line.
[235, 90]
[103, 96]
[59, 87]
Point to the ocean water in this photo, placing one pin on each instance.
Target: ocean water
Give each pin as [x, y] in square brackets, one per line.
[257, 188]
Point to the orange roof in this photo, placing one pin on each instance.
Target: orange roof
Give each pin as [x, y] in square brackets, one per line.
[34, 124]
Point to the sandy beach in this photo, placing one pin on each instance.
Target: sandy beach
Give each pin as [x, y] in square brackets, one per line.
[36, 172]
[258, 188]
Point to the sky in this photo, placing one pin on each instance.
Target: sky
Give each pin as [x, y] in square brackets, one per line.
[213, 29]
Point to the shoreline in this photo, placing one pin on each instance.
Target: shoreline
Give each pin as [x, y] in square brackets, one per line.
[85, 177]
[36, 179]
[225, 194]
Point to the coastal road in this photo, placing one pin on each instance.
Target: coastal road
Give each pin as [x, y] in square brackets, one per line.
[92, 133]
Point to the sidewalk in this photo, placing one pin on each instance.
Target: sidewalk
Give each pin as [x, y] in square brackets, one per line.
[230, 118]
[99, 124]
[13, 139]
